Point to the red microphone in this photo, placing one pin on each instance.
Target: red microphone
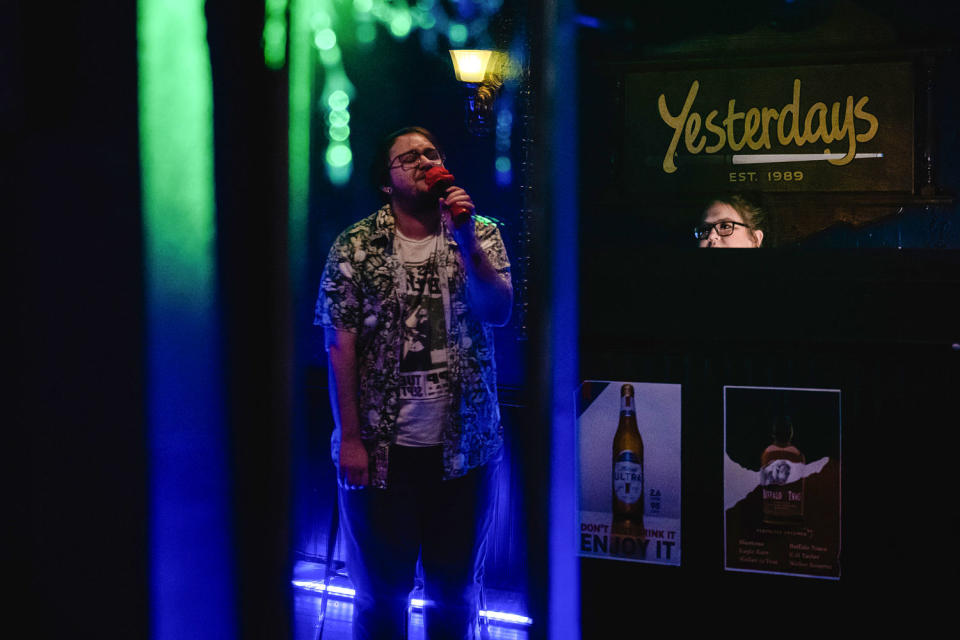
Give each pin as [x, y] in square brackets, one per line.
[438, 180]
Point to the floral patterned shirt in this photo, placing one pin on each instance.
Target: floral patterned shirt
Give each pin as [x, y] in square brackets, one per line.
[361, 292]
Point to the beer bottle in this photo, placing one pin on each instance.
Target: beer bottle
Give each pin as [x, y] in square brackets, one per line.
[628, 495]
[781, 471]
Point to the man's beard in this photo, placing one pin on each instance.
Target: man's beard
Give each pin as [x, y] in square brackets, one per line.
[422, 202]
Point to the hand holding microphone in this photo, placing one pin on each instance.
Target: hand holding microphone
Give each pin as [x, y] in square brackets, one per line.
[438, 180]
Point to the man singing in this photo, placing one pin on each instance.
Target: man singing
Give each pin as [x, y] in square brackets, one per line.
[407, 300]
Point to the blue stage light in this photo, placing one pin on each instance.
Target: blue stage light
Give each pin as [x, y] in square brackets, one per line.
[416, 603]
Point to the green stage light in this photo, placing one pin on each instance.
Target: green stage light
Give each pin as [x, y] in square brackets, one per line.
[401, 23]
[339, 132]
[338, 100]
[319, 20]
[339, 117]
[275, 33]
[339, 176]
[275, 43]
[191, 541]
[339, 155]
[325, 39]
[330, 57]
[366, 32]
[427, 21]
[457, 33]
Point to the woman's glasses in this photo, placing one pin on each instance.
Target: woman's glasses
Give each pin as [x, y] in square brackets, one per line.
[724, 228]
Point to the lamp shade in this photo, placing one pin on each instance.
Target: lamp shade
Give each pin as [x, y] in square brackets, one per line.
[470, 65]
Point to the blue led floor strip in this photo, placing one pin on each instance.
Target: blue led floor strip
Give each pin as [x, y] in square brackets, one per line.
[416, 603]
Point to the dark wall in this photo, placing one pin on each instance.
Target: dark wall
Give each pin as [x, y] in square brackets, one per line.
[78, 316]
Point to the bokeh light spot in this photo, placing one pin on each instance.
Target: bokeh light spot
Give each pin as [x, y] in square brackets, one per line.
[366, 32]
[338, 100]
[457, 34]
[325, 39]
[400, 24]
[330, 57]
[339, 117]
[339, 133]
[339, 155]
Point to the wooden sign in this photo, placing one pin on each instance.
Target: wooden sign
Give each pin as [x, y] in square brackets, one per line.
[809, 128]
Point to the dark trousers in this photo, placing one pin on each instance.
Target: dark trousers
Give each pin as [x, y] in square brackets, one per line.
[444, 522]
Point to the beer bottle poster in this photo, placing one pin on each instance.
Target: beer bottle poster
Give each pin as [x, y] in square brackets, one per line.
[629, 471]
[781, 484]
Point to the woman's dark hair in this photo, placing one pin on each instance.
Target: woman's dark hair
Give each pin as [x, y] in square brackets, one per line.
[379, 169]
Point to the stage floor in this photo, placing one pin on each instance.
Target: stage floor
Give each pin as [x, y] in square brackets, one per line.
[507, 611]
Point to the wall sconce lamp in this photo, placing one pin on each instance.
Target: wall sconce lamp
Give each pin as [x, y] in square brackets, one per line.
[481, 71]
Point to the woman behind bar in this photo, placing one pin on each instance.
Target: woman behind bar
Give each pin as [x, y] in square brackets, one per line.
[731, 221]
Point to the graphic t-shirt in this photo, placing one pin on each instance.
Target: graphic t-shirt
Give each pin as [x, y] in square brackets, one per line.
[424, 379]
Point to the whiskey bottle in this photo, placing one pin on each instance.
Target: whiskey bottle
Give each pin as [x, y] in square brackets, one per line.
[781, 476]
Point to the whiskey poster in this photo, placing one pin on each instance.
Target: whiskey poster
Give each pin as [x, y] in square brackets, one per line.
[629, 471]
[781, 482]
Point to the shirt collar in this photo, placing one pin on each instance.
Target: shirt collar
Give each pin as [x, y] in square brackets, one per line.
[385, 228]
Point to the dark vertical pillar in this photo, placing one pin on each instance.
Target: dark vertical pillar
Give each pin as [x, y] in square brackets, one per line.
[551, 499]
[250, 158]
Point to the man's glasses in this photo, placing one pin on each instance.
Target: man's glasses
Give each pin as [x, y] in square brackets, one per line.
[411, 159]
[724, 228]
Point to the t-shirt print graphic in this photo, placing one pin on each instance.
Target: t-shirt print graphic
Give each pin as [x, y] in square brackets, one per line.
[423, 362]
